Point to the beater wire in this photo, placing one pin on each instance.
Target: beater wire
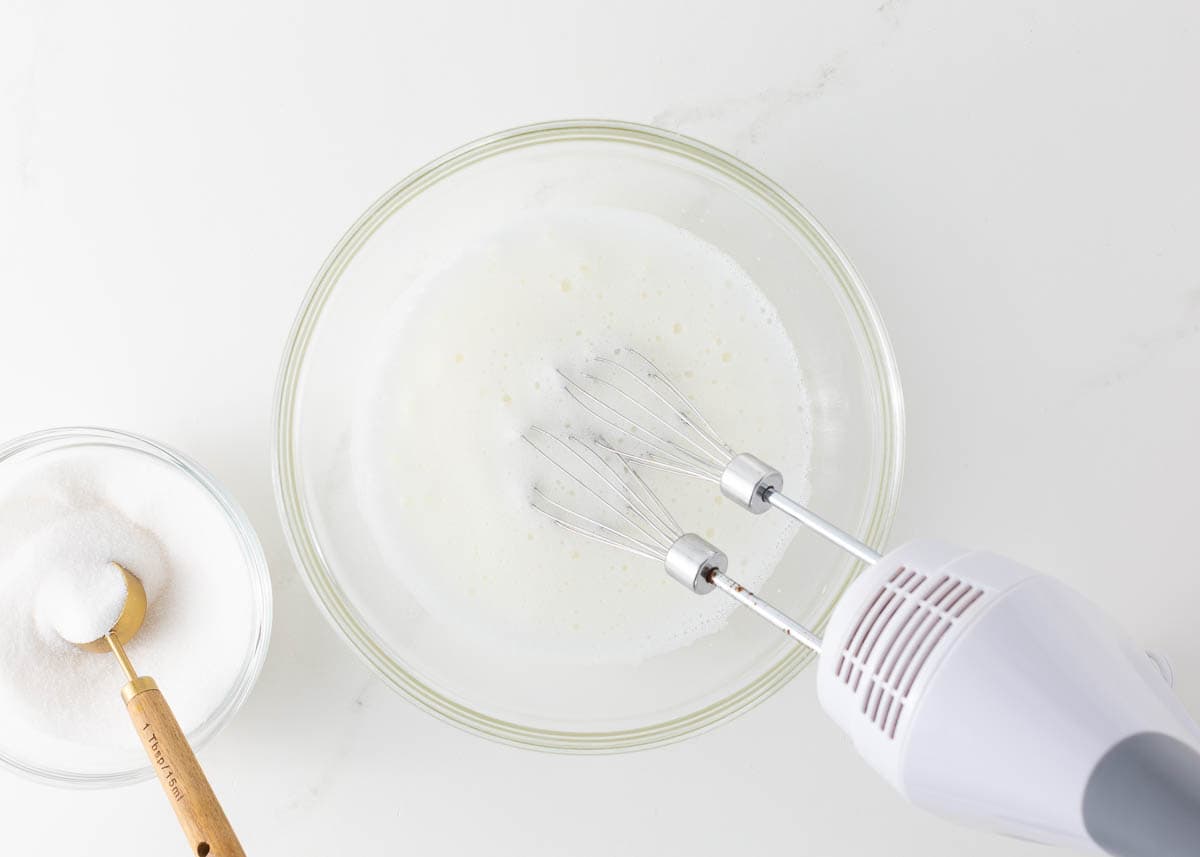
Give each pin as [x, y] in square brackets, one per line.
[619, 420]
[642, 524]
[636, 399]
[681, 408]
[561, 516]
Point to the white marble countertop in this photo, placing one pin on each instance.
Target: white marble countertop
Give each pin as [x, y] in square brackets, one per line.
[1017, 183]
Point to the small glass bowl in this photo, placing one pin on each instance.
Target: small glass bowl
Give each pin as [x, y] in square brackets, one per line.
[459, 199]
[39, 443]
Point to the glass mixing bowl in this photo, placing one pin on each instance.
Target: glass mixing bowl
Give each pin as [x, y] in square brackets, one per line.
[136, 768]
[844, 352]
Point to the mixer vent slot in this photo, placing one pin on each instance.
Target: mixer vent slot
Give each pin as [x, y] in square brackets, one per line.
[894, 637]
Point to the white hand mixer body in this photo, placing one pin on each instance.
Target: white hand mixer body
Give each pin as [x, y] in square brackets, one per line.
[980, 689]
[997, 696]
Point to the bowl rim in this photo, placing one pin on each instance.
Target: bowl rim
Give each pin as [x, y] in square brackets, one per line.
[306, 551]
[257, 569]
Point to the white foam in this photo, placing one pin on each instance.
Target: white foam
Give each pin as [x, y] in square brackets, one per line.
[467, 362]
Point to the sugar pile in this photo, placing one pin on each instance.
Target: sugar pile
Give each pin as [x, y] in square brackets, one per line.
[83, 604]
[65, 516]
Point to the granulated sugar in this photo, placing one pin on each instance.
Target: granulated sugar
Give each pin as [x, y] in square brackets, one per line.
[65, 517]
[83, 604]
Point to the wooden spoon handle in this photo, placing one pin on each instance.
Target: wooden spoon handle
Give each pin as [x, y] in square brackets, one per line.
[200, 815]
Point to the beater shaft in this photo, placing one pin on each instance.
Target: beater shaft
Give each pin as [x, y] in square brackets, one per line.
[822, 527]
[780, 620]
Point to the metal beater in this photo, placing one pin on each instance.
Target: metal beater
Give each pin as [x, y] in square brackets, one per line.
[636, 399]
[620, 510]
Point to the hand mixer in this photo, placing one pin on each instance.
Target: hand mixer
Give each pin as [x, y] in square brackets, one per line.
[980, 689]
